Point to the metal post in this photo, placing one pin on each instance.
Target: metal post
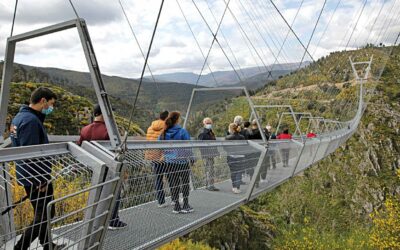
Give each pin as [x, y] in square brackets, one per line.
[98, 84]
[5, 88]
[255, 114]
[114, 169]
[7, 225]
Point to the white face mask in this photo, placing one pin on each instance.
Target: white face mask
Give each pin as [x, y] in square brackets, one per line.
[208, 126]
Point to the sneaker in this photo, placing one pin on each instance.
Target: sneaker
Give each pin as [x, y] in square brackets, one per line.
[236, 191]
[176, 211]
[212, 188]
[162, 205]
[187, 209]
[59, 247]
[116, 225]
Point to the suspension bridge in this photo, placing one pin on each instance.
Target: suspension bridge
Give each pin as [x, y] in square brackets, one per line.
[97, 171]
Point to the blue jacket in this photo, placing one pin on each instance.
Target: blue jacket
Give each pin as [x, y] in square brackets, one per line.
[27, 129]
[180, 155]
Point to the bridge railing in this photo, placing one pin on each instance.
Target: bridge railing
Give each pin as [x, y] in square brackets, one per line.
[64, 186]
[165, 172]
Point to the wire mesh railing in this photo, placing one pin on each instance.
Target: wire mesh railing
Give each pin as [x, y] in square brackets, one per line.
[167, 188]
[47, 188]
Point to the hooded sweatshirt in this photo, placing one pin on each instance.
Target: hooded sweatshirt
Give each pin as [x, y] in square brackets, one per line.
[176, 155]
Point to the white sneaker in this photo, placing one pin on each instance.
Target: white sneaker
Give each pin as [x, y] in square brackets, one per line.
[163, 205]
[236, 191]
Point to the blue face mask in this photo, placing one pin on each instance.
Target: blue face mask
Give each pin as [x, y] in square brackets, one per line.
[48, 110]
[208, 126]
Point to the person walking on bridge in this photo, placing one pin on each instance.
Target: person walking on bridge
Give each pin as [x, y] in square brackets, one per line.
[178, 163]
[27, 129]
[209, 153]
[97, 131]
[155, 156]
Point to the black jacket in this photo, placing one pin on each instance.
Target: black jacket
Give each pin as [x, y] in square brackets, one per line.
[27, 129]
[206, 135]
[235, 136]
[208, 152]
[255, 134]
[236, 157]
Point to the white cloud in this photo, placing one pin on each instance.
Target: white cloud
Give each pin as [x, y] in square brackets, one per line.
[174, 48]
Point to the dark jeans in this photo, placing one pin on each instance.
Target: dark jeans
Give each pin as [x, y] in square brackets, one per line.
[178, 179]
[115, 216]
[159, 172]
[236, 166]
[236, 177]
[285, 156]
[39, 201]
[269, 162]
[209, 167]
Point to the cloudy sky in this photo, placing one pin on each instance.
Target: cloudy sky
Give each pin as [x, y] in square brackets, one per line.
[252, 33]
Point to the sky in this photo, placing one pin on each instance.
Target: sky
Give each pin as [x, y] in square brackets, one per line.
[251, 34]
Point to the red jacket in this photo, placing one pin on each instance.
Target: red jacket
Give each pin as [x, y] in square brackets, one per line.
[95, 131]
[284, 136]
[311, 135]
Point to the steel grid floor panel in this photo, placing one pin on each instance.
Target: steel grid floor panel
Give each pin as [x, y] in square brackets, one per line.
[148, 223]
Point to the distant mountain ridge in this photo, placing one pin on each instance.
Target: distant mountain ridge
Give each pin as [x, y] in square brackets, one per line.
[230, 77]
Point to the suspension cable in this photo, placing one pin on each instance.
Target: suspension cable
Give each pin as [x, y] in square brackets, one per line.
[286, 37]
[225, 39]
[141, 77]
[13, 20]
[215, 40]
[259, 32]
[294, 33]
[355, 26]
[73, 8]
[140, 48]
[312, 34]
[197, 42]
[273, 36]
[247, 37]
[326, 27]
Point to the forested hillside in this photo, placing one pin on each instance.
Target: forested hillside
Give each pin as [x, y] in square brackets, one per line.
[350, 200]
[153, 98]
[71, 112]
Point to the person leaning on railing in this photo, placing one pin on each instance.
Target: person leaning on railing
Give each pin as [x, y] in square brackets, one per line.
[27, 129]
[156, 157]
[178, 162]
[97, 131]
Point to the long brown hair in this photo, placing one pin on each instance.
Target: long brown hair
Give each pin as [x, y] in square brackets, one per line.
[171, 120]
